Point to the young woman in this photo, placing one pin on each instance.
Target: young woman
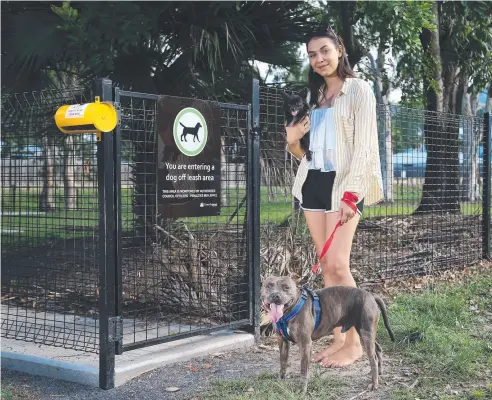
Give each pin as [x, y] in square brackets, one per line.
[344, 172]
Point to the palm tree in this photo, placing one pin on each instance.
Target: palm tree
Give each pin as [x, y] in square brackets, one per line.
[194, 49]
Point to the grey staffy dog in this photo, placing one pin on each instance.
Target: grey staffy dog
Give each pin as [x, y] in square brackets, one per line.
[305, 316]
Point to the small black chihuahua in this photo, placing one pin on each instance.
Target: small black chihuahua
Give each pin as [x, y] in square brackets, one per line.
[296, 107]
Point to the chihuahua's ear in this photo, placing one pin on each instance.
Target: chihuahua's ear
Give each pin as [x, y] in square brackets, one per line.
[305, 93]
[285, 96]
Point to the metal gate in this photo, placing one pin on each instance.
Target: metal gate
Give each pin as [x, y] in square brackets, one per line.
[164, 279]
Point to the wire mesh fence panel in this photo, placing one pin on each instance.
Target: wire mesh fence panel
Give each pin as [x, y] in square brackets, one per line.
[180, 276]
[49, 224]
[427, 221]
[431, 217]
[285, 243]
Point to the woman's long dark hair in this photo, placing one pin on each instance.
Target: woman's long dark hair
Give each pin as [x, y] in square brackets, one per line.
[344, 70]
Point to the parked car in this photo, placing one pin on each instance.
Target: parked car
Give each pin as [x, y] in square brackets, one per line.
[409, 164]
[26, 152]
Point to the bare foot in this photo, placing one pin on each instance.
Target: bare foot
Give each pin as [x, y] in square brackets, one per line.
[330, 350]
[347, 355]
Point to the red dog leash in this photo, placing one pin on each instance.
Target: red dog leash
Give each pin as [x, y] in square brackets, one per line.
[350, 199]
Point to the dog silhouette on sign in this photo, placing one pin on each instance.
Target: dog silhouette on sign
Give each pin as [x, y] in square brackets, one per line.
[190, 131]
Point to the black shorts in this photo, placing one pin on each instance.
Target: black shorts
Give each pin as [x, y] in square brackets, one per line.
[317, 190]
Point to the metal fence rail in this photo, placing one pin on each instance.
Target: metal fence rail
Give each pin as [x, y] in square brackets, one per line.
[395, 238]
[49, 224]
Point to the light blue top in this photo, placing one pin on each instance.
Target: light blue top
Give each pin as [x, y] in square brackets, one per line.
[323, 140]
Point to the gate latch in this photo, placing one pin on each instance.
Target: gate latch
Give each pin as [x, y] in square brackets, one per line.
[115, 329]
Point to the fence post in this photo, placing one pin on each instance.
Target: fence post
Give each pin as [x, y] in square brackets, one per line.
[107, 248]
[118, 212]
[486, 198]
[253, 207]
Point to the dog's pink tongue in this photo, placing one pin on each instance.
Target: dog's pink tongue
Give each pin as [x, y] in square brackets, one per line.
[276, 312]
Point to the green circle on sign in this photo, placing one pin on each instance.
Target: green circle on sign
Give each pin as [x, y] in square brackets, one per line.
[188, 125]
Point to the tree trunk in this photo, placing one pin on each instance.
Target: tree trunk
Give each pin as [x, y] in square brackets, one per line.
[451, 161]
[479, 129]
[348, 19]
[471, 136]
[47, 199]
[488, 104]
[385, 138]
[477, 138]
[69, 173]
[432, 196]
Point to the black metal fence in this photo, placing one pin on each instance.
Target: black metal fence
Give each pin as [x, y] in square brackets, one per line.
[89, 263]
[49, 225]
[435, 198]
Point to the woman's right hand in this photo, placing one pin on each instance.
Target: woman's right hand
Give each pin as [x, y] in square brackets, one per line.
[297, 131]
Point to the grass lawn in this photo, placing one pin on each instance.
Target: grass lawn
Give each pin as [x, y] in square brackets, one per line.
[6, 394]
[275, 207]
[455, 351]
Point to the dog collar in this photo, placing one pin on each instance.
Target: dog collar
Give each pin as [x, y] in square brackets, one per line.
[281, 324]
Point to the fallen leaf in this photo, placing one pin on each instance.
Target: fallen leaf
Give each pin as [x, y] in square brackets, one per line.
[192, 368]
[207, 366]
[172, 389]
[250, 390]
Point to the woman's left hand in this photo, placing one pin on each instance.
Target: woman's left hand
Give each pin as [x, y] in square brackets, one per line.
[345, 213]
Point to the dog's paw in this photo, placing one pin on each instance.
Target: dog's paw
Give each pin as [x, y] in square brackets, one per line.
[372, 386]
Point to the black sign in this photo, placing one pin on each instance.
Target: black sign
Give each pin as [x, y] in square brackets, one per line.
[188, 157]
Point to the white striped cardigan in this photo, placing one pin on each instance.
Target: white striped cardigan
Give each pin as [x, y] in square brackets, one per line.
[358, 164]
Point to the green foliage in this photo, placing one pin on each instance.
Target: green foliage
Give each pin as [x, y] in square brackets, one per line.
[467, 38]
[205, 48]
[198, 49]
[395, 27]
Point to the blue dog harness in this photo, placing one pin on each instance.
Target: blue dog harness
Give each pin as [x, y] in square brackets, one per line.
[282, 322]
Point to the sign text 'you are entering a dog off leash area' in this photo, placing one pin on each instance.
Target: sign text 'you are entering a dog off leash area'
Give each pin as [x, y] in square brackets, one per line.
[188, 156]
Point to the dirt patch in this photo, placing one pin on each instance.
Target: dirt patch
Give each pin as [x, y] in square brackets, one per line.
[194, 378]
[384, 248]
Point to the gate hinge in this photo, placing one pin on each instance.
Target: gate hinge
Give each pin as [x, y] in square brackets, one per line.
[115, 329]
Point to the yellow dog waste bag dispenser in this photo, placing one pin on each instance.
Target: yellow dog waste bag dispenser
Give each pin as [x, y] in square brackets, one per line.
[94, 117]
